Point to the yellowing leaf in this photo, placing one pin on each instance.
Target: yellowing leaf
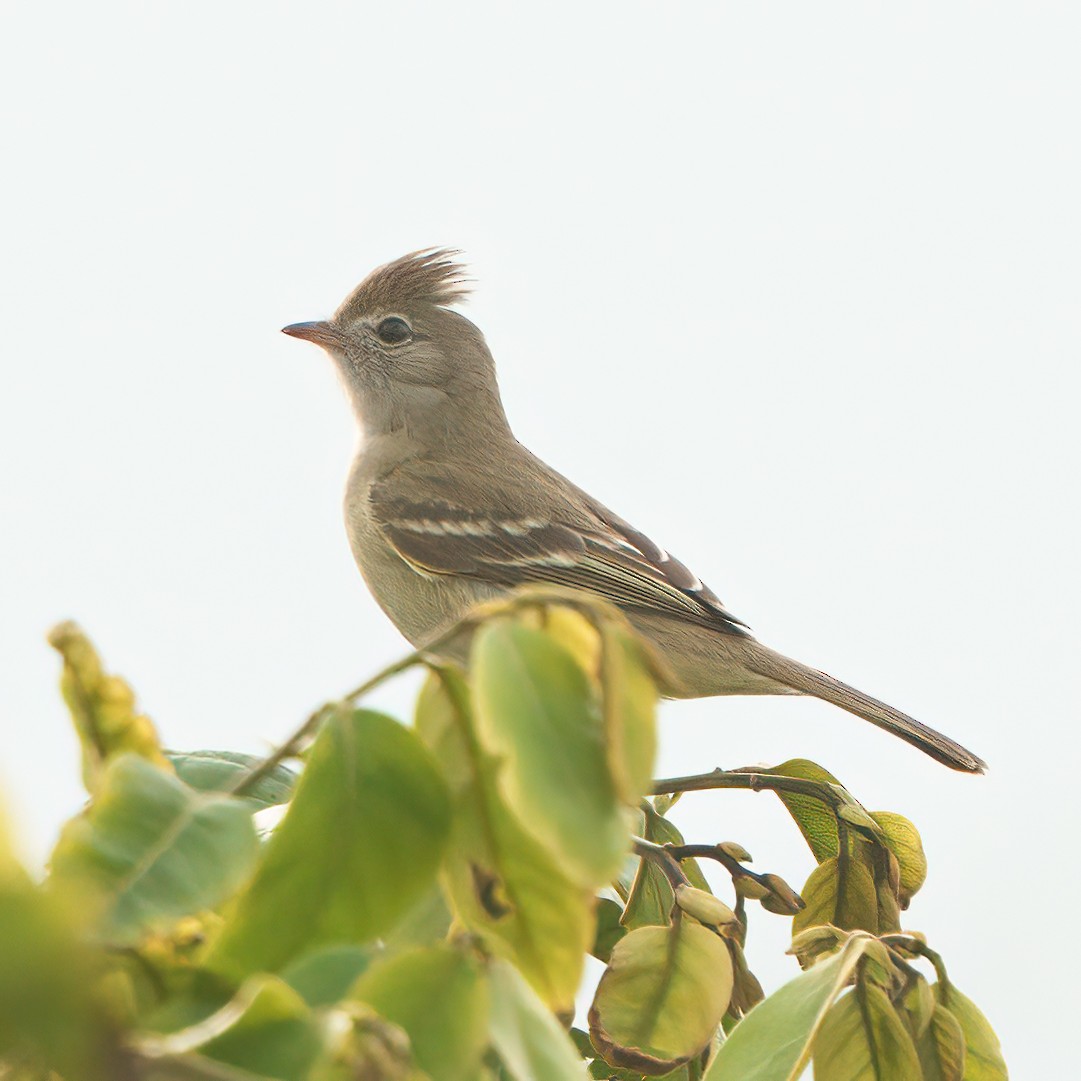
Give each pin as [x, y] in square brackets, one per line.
[864, 1039]
[983, 1055]
[662, 997]
[504, 884]
[746, 990]
[941, 1047]
[704, 907]
[620, 671]
[572, 630]
[850, 905]
[102, 707]
[902, 839]
[537, 715]
[815, 818]
[630, 707]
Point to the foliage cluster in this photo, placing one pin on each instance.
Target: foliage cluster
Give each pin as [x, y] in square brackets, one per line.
[423, 905]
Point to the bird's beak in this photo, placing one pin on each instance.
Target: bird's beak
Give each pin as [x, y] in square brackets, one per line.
[322, 333]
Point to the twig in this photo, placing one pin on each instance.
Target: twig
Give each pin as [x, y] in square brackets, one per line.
[662, 858]
[776, 886]
[297, 741]
[710, 852]
[715, 852]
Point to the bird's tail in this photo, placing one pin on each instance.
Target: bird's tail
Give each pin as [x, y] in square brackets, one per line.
[810, 681]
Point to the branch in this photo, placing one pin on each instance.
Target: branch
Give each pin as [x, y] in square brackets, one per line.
[751, 780]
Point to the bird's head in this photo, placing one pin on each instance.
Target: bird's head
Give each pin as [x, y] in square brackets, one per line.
[409, 362]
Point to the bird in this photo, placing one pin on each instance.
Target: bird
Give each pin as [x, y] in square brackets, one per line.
[445, 509]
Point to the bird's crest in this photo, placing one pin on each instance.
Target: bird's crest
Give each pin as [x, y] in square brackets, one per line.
[430, 276]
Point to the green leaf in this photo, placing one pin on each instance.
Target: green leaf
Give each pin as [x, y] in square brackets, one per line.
[983, 1055]
[194, 995]
[368, 1048]
[439, 996]
[505, 886]
[580, 1039]
[324, 976]
[217, 771]
[902, 839]
[51, 1012]
[864, 1039]
[814, 817]
[650, 899]
[194, 1067]
[266, 1030]
[152, 849]
[852, 905]
[275, 1036]
[662, 997]
[360, 843]
[773, 1042]
[609, 928]
[427, 922]
[649, 903]
[530, 1042]
[537, 714]
[662, 831]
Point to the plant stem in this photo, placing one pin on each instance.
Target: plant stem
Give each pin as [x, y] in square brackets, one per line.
[918, 946]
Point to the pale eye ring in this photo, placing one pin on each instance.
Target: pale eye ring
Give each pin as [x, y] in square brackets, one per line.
[394, 330]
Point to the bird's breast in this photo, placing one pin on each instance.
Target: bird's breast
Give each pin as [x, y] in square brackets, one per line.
[420, 605]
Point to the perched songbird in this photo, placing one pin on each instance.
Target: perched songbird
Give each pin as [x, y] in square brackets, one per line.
[445, 508]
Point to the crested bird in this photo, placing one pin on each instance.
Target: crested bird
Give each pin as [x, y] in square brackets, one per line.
[445, 508]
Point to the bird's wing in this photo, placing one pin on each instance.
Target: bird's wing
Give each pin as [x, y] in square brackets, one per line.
[608, 557]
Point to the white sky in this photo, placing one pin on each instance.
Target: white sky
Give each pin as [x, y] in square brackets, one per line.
[786, 285]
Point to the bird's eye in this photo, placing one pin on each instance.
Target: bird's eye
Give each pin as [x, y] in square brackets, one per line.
[394, 331]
